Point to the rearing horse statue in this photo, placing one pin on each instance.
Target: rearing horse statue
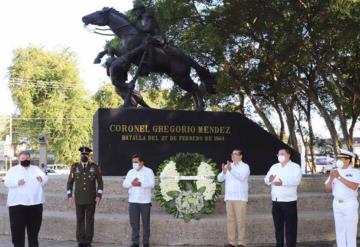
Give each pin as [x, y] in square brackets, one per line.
[168, 60]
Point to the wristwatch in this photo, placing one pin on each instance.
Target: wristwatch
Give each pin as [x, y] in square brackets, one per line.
[339, 177]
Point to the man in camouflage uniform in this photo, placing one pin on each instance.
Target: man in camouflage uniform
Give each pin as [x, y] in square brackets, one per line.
[85, 174]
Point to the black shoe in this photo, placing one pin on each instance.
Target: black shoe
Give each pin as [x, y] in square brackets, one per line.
[146, 245]
[81, 245]
[134, 245]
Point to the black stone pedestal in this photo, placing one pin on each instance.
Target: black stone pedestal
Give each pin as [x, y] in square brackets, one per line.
[159, 134]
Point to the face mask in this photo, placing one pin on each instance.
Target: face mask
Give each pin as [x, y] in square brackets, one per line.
[339, 164]
[84, 158]
[281, 158]
[135, 166]
[25, 163]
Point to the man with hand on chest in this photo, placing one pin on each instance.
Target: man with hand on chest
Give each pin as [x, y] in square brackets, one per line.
[88, 193]
[140, 181]
[284, 178]
[25, 200]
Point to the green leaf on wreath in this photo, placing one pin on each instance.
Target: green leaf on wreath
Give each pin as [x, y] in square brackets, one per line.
[188, 186]
[187, 218]
[173, 193]
[202, 189]
[197, 216]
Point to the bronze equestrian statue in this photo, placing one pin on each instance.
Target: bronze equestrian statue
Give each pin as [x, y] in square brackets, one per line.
[142, 44]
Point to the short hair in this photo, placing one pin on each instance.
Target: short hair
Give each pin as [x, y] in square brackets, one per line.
[24, 152]
[238, 150]
[286, 150]
[138, 156]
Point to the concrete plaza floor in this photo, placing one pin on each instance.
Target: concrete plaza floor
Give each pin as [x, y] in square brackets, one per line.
[6, 242]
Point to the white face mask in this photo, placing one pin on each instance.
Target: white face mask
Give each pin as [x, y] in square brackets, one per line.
[339, 164]
[135, 166]
[281, 158]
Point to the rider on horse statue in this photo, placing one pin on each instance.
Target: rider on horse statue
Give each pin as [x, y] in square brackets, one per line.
[145, 22]
[143, 45]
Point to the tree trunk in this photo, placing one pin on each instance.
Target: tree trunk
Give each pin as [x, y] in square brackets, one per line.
[307, 111]
[335, 94]
[311, 137]
[290, 120]
[323, 112]
[259, 111]
[242, 103]
[282, 124]
[303, 140]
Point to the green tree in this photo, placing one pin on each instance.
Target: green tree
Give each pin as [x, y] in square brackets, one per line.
[275, 53]
[106, 97]
[51, 100]
[285, 59]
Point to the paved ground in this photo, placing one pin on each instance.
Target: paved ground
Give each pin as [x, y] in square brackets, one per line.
[5, 242]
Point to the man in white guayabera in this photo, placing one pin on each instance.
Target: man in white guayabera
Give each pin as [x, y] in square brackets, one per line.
[140, 180]
[343, 182]
[284, 178]
[25, 200]
[235, 174]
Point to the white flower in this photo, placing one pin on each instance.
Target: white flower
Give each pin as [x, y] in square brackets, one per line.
[204, 169]
[189, 202]
[167, 185]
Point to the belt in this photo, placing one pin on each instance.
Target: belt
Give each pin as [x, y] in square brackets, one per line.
[343, 201]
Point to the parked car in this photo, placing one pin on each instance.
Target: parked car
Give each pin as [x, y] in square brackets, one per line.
[2, 175]
[58, 169]
[324, 164]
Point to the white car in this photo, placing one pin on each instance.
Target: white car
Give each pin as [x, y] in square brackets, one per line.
[324, 164]
[2, 175]
[58, 169]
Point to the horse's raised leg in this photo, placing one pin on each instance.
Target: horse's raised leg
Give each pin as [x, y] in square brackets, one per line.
[198, 98]
[186, 83]
[118, 75]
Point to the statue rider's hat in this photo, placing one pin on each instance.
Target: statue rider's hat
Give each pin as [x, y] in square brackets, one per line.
[138, 5]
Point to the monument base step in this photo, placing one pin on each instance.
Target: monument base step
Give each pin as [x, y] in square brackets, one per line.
[166, 230]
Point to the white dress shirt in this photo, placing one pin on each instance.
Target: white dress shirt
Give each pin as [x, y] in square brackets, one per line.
[290, 175]
[140, 194]
[31, 193]
[236, 182]
[339, 190]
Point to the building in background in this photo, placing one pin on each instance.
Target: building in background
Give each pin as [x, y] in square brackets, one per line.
[356, 146]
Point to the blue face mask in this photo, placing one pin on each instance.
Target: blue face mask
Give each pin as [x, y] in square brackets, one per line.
[135, 165]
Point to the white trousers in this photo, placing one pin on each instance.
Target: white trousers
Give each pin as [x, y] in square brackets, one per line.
[346, 221]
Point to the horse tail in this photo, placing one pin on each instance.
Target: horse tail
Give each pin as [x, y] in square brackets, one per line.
[206, 77]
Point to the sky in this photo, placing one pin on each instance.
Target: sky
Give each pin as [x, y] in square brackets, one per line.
[52, 24]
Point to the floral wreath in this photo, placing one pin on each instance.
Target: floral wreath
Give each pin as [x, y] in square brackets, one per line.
[187, 186]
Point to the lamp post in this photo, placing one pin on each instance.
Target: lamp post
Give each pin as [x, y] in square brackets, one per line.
[43, 153]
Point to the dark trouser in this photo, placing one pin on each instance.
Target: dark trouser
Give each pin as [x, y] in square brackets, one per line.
[135, 210]
[25, 217]
[85, 223]
[285, 216]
